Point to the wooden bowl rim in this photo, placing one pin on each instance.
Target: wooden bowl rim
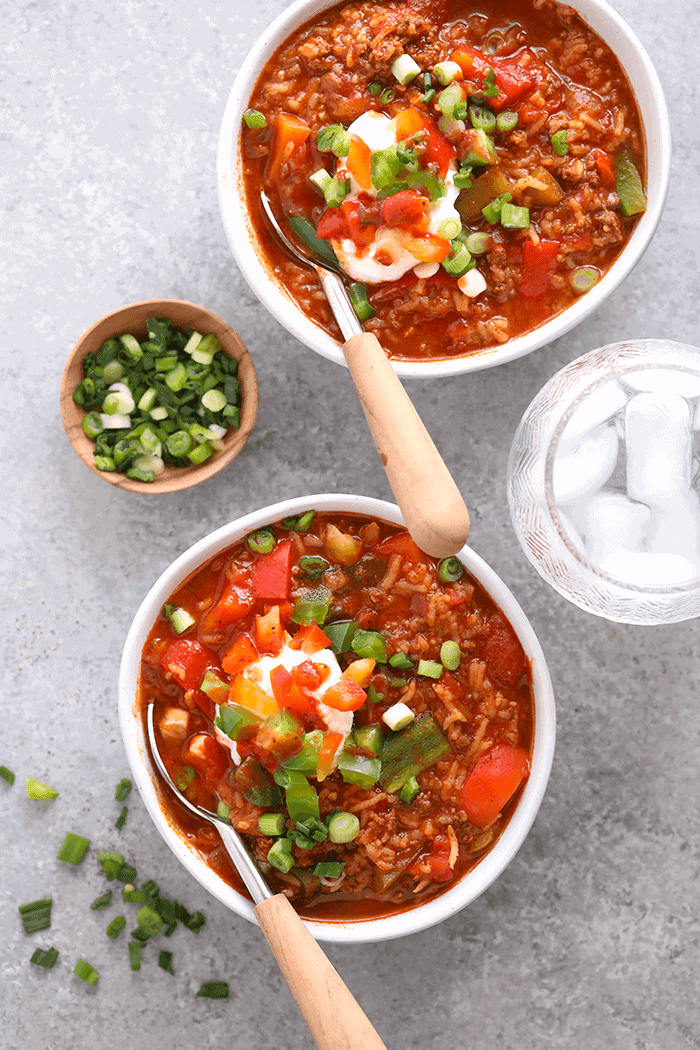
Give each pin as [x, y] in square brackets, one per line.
[132, 318]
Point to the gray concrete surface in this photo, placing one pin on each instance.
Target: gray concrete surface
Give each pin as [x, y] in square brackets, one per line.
[591, 937]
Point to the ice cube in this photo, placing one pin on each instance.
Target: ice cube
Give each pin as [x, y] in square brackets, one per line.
[599, 407]
[571, 532]
[658, 443]
[696, 417]
[662, 381]
[609, 522]
[649, 570]
[582, 468]
[675, 528]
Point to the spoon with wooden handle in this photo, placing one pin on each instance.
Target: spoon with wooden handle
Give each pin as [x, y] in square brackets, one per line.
[335, 1019]
[433, 509]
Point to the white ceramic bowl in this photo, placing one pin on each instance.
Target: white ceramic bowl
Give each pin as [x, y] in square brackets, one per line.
[603, 20]
[469, 886]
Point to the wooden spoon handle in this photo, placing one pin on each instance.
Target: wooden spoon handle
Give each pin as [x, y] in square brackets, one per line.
[430, 502]
[334, 1017]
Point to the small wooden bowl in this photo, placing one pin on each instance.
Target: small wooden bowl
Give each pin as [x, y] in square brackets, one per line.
[133, 319]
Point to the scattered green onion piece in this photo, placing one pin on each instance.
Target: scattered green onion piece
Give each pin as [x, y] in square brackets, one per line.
[280, 855]
[254, 119]
[304, 521]
[374, 88]
[409, 791]
[165, 961]
[130, 895]
[478, 243]
[328, 869]
[482, 118]
[177, 378]
[514, 217]
[357, 294]
[262, 541]
[86, 972]
[123, 788]
[121, 819]
[306, 233]
[506, 121]
[405, 69]
[214, 400]
[401, 661]
[36, 789]
[463, 179]
[111, 863]
[105, 464]
[450, 228]
[373, 696]
[149, 920]
[313, 565]
[223, 810]
[450, 655]
[200, 454]
[37, 915]
[388, 96]
[202, 357]
[45, 958]
[336, 191]
[92, 424]
[398, 716]
[459, 259]
[343, 827]
[7, 775]
[137, 474]
[126, 873]
[185, 778]
[450, 570]
[583, 278]
[113, 372]
[116, 926]
[489, 88]
[370, 645]
[321, 179]
[180, 619]
[192, 343]
[492, 211]
[102, 902]
[446, 72]
[429, 668]
[429, 91]
[559, 143]
[179, 444]
[73, 849]
[135, 955]
[397, 683]
[450, 101]
[272, 824]
[132, 347]
[214, 990]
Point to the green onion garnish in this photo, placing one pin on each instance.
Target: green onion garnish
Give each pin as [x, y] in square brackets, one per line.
[111, 863]
[447, 71]
[357, 294]
[450, 655]
[489, 89]
[478, 243]
[449, 228]
[429, 668]
[130, 895]
[37, 915]
[388, 96]
[262, 541]
[374, 89]
[36, 789]
[149, 920]
[165, 961]
[482, 118]
[214, 990]
[343, 827]
[373, 696]
[507, 121]
[280, 855]
[7, 775]
[179, 618]
[45, 958]
[559, 143]
[185, 778]
[86, 972]
[135, 955]
[405, 69]
[492, 211]
[73, 849]
[272, 824]
[450, 570]
[127, 873]
[514, 217]
[335, 191]
[409, 791]
[102, 902]
[123, 788]
[116, 926]
[334, 138]
[254, 119]
[583, 278]
[401, 661]
[121, 819]
[328, 869]
[313, 565]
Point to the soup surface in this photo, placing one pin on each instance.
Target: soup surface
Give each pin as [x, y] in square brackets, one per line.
[466, 206]
[359, 711]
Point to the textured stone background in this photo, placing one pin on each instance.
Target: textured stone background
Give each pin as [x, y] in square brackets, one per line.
[590, 938]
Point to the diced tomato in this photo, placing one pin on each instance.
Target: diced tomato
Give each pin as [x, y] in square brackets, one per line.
[404, 208]
[268, 631]
[208, 757]
[345, 695]
[512, 79]
[240, 655]
[494, 779]
[330, 745]
[307, 675]
[361, 233]
[271, 573]
[359, 162]
[502, 651]
[290, 132]
[604, 164]
[539, 263]
[288, 692]
[401, 543]
[429, 248]
[310, 639]
[251, 696]
[332, 225]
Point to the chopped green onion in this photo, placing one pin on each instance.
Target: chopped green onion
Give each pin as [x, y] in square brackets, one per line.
[405, 69]
[482, 118]
[478, 243]
[328, 869]
[254, 119]
[223, 810]
[185, 778]
[37, 915]
[121, 819]
[334, 138]
[374, 88]
[313, 828]
[262, 541]
[165, 961]
[507, 121]
[373, 696]
[489, 89]
[357, 294]
[306, 233]
[111, 863]
[135, 955]
[137, 474]
[86, 972]
[409, 791]
[459, 260]
[343, 827]
[214, 400]
[313, 565]
[429, 668]
[514, 217]
[280, 855]
[200, 454]
[7, 775]
[492, 211]
[130, 895]
[180, 619]
[428, 89]
[272, 823]
[45, 958]
[176, 380]
[114, 370]
[102, 902]
[450, 570]
[149, 920]
[401, 661]
[451, 101]
[336, 191]
[105, 463]
[446, 72]
[192, 343]
[131, 345]
[583, 278]
[388, 96]
[214, 990]
[126, 873]
[450, 228]
[92, 424]
[123, 788]
[321, 179]
[398, 716]
[450, 655]
[116, 926]
[36, 789]
[559, 143]
[463, 179]
[370, 645]
[73, 849]
[397, 683]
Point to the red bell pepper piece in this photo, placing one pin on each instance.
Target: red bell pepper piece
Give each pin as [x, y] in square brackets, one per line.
[511, 79]
[539, 263]
[345, 695]
[604, 164]
[268, 631]
[401, 543]
[187, 662]
[208, 757]
[234, 604]
[310, 639]
[404, 208]
[437, 864]
[502, 651]
[271, 573]
[359, 162]
[494, 779]
[290, 132]
[438, 150]
[240, 655]
[361, 233]
[332, 225]
[307, 676]
[288, 693]
[330, 745]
